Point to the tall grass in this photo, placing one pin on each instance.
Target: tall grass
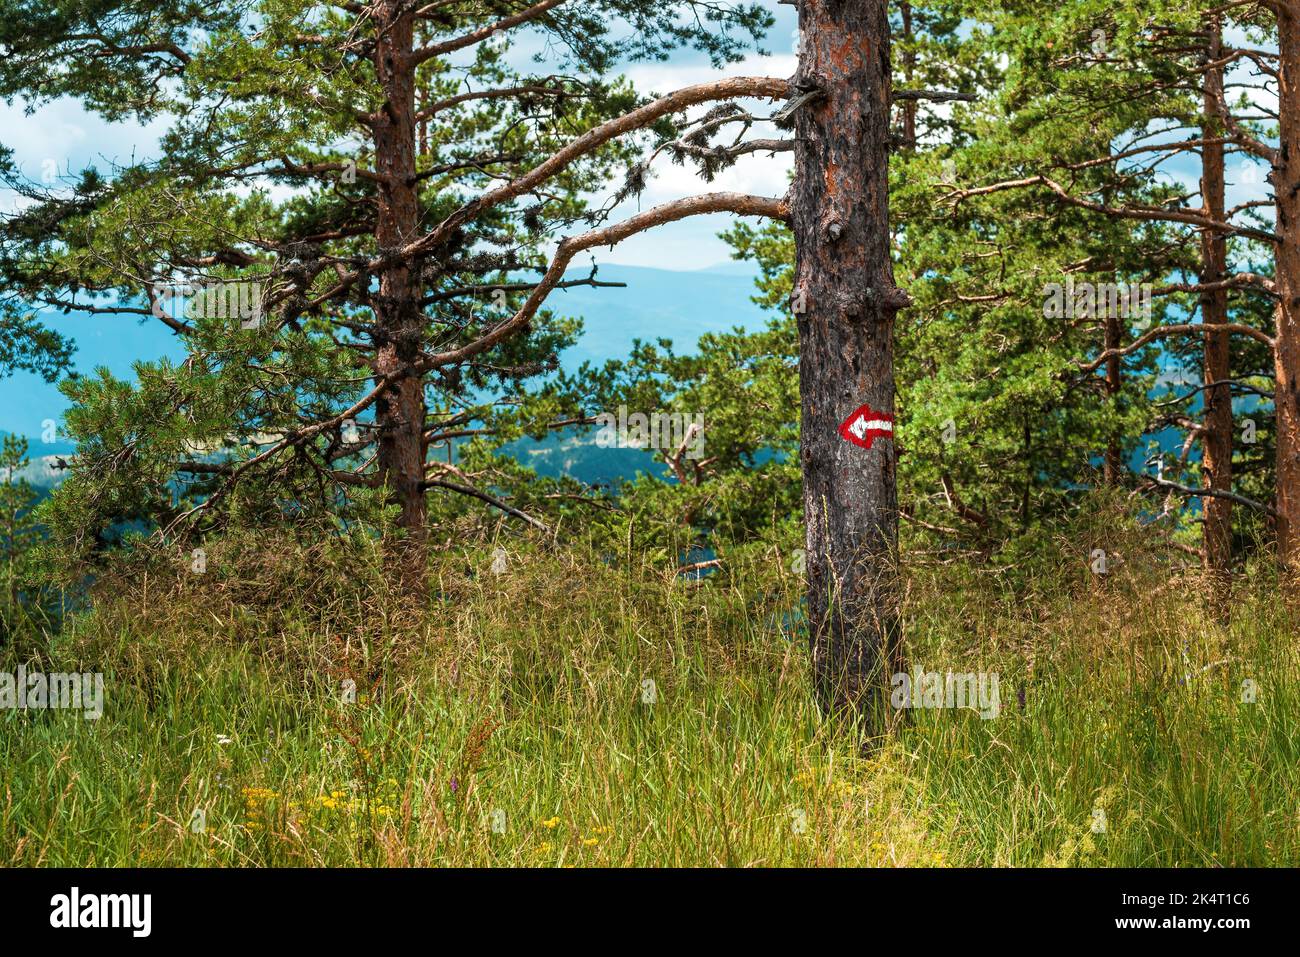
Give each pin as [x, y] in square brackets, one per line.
[511, 722]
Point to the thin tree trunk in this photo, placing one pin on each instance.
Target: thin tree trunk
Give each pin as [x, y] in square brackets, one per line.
[845, 300]
[1112, 465]
[1286, 182]
[422, 100]
[12, 537]
[399, 414]
[1216, 440]
[909, 70]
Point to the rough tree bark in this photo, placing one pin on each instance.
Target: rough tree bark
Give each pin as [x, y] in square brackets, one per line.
[845, 301]
[400, 411]
[1216, 440]
[1286, 183]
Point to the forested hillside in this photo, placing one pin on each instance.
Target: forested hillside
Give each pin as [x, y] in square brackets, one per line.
[432, 513]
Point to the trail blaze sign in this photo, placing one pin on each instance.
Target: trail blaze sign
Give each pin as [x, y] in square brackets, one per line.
[864, 425]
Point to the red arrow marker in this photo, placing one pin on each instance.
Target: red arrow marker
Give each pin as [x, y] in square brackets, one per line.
[865, 425]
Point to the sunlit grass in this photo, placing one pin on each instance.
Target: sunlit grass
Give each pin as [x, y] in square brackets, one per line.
[513, 724]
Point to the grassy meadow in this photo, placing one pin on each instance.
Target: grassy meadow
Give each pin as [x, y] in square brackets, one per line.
[511, 723]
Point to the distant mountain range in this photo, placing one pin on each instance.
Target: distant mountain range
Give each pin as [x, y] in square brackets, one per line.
[574, 453]
[42, 470]
[656, 304]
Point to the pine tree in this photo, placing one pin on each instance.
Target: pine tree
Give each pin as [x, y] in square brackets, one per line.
[1169, 69]
[18, 528]
[340, 230]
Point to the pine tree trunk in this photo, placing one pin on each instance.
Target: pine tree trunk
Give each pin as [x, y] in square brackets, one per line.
[909, 77]
[1286, 182]
[1216, 440]
[399, 414]
[1112, 463]
[845, 301]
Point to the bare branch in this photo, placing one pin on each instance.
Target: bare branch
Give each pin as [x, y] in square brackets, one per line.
[1145, 213]
[483, 33]
[937, 96]
[761, 86]
[1211, 493]
[739, 203]
[484, 497]
[1244, 386]
[459, 98]
[1182, 328]
[1241, 280]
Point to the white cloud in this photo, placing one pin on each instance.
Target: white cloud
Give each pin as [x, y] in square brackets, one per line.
[60, 139]
[694, 243]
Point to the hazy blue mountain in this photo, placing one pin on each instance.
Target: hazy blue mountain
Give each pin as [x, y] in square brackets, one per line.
[656, 303]
[575, 453]
[43, 461]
